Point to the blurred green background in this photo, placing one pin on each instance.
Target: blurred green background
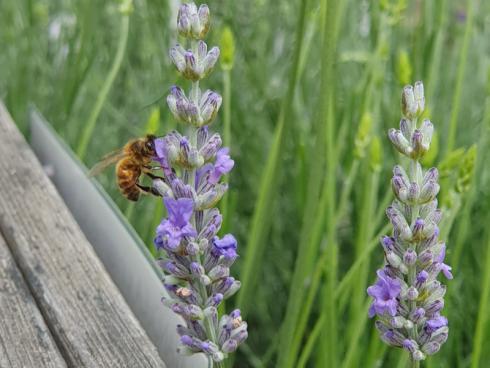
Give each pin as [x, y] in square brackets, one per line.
[314, 87]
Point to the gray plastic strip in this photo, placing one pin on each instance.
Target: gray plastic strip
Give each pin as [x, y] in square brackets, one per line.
[116, 243]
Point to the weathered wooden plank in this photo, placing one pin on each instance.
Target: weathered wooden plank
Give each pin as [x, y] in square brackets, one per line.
[90, 321]
[25, 340]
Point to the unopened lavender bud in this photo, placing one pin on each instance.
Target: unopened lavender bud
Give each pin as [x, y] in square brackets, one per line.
[160, 186]
[229, 346]
[393, 259]
[204, 20]
[210, 60]
[422, 277]
[202, 50]
[209, 106]
[209, 149]
[214, 300]
[388, 243]
[393, 338]
[400, 142]
[209, 348]
[408, 324]
[440, 337]
[431, 348]
[195, 159]
[425, 258]
[418, 355]
[418, 90]
[410, 257]
[175, 268]
[399, 223]
[210, 198]
[219, 272]
[429, 229]
[399, 187]
[413, 193]
[406, 128]
[435, 216]
[197, 269]
[192, 70]
[177, 56]
[212, 314]
[397, 322]
[434, 307]
[427, 130]
[412, 293]
[429, 191]
[410, 345]
[409, 105]
[419, 148]
[418, 229]
[192, 248]
[202, 135]
[431, 175]
[417, 315]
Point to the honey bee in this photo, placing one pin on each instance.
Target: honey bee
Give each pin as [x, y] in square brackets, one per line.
[131, 161]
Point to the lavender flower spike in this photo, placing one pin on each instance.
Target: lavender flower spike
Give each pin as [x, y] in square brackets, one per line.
[195, 260]
[407, 297]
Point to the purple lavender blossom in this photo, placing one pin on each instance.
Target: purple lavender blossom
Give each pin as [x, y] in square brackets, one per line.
[223, 165]
[407, 297]
[195, 260]
[384, 292]
[173, 230]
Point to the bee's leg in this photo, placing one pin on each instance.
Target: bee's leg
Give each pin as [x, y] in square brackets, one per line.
[152, 176]
[148, 190]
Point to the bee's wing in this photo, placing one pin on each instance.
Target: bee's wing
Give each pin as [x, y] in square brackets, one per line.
[107, 160]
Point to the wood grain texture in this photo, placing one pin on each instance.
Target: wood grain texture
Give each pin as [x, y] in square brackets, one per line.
[25, 340]
[90, 321]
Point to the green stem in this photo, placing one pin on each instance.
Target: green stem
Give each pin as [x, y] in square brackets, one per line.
[226, 141]
[102, 97]
[328, 353]
[453, 124]
[483, 311]
[414, 363]
[261, 218]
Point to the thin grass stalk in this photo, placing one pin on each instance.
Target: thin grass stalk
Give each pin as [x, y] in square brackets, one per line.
[328, 353]
[226, 142]
[375, 351]
[261, 217]
[353, 351]
[320, 264]
[483, 309]
[339, 294]
[104, 91]
[364, 227]
[464, 224]
[310, 343]
[463, 57]
[435, 60]
[295, 332]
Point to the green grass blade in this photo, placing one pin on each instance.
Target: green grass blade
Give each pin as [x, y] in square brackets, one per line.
[104, 92]
[261, 217]
[483, 310]
[463, 57]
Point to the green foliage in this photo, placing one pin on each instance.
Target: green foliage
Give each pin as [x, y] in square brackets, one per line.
[306, 121]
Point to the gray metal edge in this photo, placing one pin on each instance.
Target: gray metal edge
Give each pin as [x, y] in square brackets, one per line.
[120, 249]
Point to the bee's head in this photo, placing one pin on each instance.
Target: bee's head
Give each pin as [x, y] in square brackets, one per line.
[149, 145]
